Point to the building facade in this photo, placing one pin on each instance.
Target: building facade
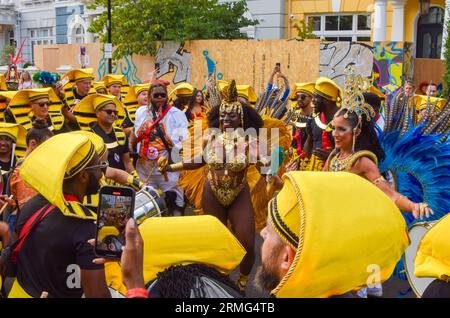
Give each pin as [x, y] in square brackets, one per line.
[418, 21]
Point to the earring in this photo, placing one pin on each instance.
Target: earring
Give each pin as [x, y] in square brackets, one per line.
[354, 139]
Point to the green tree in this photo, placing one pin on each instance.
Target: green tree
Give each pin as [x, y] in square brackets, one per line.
[305, 31]
[446, 92]
[8, 49]
[137, 26]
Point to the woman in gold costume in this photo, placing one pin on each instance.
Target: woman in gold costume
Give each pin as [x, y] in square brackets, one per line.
[228, 155]
[357, 148]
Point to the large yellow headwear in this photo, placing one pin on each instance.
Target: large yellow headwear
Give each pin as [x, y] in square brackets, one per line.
[247, 92]
[306, 88]
[338, 240]
[133, 93]
[433, 255]
[85, 110]
[182, 90]
[17, 134]
[74, 76]
[422, 101]
[21, 109]
[71, 153]
[5, 98]
[328, 89]
[97, 141]
[98, 86]
[112, 79]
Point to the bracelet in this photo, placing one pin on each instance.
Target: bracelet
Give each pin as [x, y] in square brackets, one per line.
[379, 180]
[176, 166]
[137, 293]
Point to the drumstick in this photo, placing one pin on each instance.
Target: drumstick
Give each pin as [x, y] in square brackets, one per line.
[5, 204]
[44, 295]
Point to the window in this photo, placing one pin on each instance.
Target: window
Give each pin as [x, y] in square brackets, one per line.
[341, 27]
[78, 34]
[41, 36]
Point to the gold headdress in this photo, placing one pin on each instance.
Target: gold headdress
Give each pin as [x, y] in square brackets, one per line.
[230, 102]
[353, 100]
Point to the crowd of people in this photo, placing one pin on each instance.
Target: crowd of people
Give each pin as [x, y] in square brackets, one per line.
[304, 165]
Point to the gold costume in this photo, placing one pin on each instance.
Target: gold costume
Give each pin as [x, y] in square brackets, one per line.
[336, 164]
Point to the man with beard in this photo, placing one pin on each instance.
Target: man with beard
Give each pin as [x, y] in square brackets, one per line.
[320, 142]
[324, 248]
[55, 256]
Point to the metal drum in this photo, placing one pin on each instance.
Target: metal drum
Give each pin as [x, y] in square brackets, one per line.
[416, 234]
[148, 204]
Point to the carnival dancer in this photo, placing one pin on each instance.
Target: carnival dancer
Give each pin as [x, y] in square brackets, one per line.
[317, 248]
[43, 262]
[159, 132]
[357, 147]
[327, 98]
[102, 114]
[197, 107]
[38, 103]
[226, 193]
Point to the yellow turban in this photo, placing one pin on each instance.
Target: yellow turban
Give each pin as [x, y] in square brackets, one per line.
[112, 79]
[74, 76]
[433, 255]
[247, 92]
[328, 89]
[70, 154]
[99, 85]
[306, 88]
[99, 144]
[85, 110]
[182, 90]
[340, 225]
[133, 93]
[22, 111]
[17, 134]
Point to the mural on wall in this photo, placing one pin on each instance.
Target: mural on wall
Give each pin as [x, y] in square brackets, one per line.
[172, 57]
[336, 56]
[125, 66]
[388, 65]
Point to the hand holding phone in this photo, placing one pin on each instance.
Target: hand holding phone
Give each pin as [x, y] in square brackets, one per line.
[116, 207]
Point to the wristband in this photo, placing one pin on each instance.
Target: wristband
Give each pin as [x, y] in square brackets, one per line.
[137, 293]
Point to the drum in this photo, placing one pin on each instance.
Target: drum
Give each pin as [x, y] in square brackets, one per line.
[416, 234]
[148, 204]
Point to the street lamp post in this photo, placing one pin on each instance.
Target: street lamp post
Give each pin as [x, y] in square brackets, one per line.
[109, 36]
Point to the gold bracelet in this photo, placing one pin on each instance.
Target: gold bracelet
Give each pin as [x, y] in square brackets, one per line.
[176, 166]
[379, 180]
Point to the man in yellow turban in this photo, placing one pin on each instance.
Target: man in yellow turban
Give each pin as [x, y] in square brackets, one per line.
[78, 83]
[322, 248]
[56, 257]
[320, 142]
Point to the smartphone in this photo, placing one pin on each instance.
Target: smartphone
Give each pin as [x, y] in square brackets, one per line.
[116, 207]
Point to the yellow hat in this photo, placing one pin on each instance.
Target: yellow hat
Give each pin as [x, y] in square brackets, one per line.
[421, 102]
[70, 153]
[306, 88]
[85, 110]
[5, 97]
[182, 90]
[328, 89]
[99, 85]
[3, 86]
[133, 93]
[111, 79]
[22, 111]
[17, 134]
[337, 240]
[74, 76]
[247, 92]
[433, 255]
[97, 141]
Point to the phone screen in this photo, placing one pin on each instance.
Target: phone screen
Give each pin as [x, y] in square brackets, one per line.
[116, 206]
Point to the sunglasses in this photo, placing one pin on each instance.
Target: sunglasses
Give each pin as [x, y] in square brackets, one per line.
[43, 104]
[159, 95]
[110, 111]
[101, 165]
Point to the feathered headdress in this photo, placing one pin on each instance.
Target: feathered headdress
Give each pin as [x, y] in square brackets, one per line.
[353, 100]
[45, 78]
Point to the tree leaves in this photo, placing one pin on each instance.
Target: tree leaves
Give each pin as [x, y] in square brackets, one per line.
[138, 25]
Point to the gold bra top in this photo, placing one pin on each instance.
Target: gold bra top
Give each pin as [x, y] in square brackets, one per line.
[345, 164]
[218, 160]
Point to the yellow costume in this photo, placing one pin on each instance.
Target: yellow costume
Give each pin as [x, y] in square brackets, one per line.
[182, 90]
[5, 98]
[182, 241]
[73, 77]
[23, 113]
[338, 242]
[433, 255]
[130, 100]
[3, 86]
